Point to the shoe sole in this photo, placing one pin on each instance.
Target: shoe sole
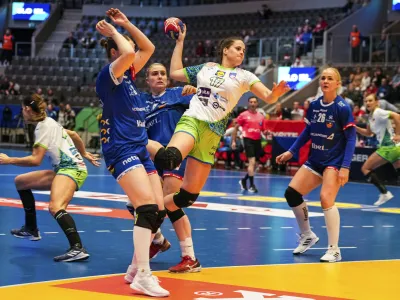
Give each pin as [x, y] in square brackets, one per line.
[309, 246]
[167, 248]
[142, 291]
[193, 270]
[331, 261]
[79, 257]
[33, 239]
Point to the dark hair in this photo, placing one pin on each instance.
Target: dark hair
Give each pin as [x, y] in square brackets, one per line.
[152, 65]
[109, 44]
[226, 43]
[38, 105]
[252, 97]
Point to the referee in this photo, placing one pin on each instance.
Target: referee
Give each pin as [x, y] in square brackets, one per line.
[252, 123]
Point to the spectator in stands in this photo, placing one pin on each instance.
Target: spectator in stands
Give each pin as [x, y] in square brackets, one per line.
[270, 63]
[70, 41]
[299, 41]
[372, 89]
[88, 42]
[51, 112]
[69, 117]
[8, 45]
[286, 60]
[200, 49]
[384, 90]
[6, 121]
[355, 42]
[297, 63]
[61, 115]
[319, 29]
[344, 94]
[265, 11]
[378, 76]
[209, 49]
[395, 84]
[378, 55]
[366, 81]
[358, 114]
[261, 68]
[306, 39]
[306, 105]
[297, 113]
[278, 113]
[357, 78]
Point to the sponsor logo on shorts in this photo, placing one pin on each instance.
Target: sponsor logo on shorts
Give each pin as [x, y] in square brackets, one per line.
[130, 159]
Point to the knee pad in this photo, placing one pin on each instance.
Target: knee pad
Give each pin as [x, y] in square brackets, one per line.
[175, 215]
[146, 217]
[168, 158]
[184, 199]
[293, 197]
[130, 208]
[160, 219]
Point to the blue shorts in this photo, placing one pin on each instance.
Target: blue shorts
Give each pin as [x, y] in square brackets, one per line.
[319, 169]
[179, 173]
[131, 161]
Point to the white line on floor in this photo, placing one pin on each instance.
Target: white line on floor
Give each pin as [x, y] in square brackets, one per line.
[346, 226]
[265, 227]
[221, 228]
[315, 249]
[244, 228]
[50, 232]
[367, 226]
[200, 229]
[388, 226]
[286, 227]
[126, 230]
[103, 231]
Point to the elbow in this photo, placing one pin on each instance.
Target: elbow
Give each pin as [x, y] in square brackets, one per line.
[36, 163]
[174, 75]
[152, 48]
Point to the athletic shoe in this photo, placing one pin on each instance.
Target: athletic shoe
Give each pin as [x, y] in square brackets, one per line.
[332, 255]
[306, 242]
[75, 253]
[253, 189]
[187, 265]
[146, 284]
[130, 274]
[383, 198]
[243, 184]
[155, 249]
[24, 233]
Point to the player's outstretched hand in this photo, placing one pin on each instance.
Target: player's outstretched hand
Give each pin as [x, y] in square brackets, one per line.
[188, 90]
[4, 159]
[93, 158]
[284, 157]
[343, 176]
[182, 35]
[280, 89]
[105, 28]
[117, 16]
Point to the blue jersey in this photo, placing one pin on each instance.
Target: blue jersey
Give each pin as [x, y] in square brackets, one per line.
[122, 126]
[163, 113]
[327, 125]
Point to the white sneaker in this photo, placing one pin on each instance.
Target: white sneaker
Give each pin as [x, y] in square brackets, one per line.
[146, 284]
[383, 198]
[306, 242]
[130, 274]
[332, 255]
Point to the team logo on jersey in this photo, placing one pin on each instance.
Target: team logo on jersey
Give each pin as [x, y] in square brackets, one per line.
[104, 122]
[220, 73]
[232, 75]
[105, 140]
[329, 124]
[105, 131]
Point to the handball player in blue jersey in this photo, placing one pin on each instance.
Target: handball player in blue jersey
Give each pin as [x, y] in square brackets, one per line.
[124, 140]
[164, 110]
[331, 128]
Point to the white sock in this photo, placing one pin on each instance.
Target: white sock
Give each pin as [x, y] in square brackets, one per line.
[332, 221]
[158, 238]
[187, 248]
[301, 213]
[141, 242]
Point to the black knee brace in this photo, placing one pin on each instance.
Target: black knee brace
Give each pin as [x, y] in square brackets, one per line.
[293, 197]
[168, 158]
[160, 218]
[175, 215]
[184, 199]
[146, 217]
[130, 208]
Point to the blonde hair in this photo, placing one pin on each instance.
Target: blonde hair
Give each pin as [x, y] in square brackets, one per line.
[38, 106]
[153, 65]
[339, 77]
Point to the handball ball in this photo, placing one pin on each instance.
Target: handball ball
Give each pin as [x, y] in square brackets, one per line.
[172, 27]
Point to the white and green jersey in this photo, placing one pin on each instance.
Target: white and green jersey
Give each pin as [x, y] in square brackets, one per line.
[60, 149]
[380, 124]
[218, 91]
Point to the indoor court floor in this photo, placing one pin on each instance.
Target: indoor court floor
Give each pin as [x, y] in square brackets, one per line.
[243, 241]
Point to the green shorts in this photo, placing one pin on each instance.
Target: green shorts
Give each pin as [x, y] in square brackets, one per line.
[206, 142]
[389, 153]
[79, 176]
